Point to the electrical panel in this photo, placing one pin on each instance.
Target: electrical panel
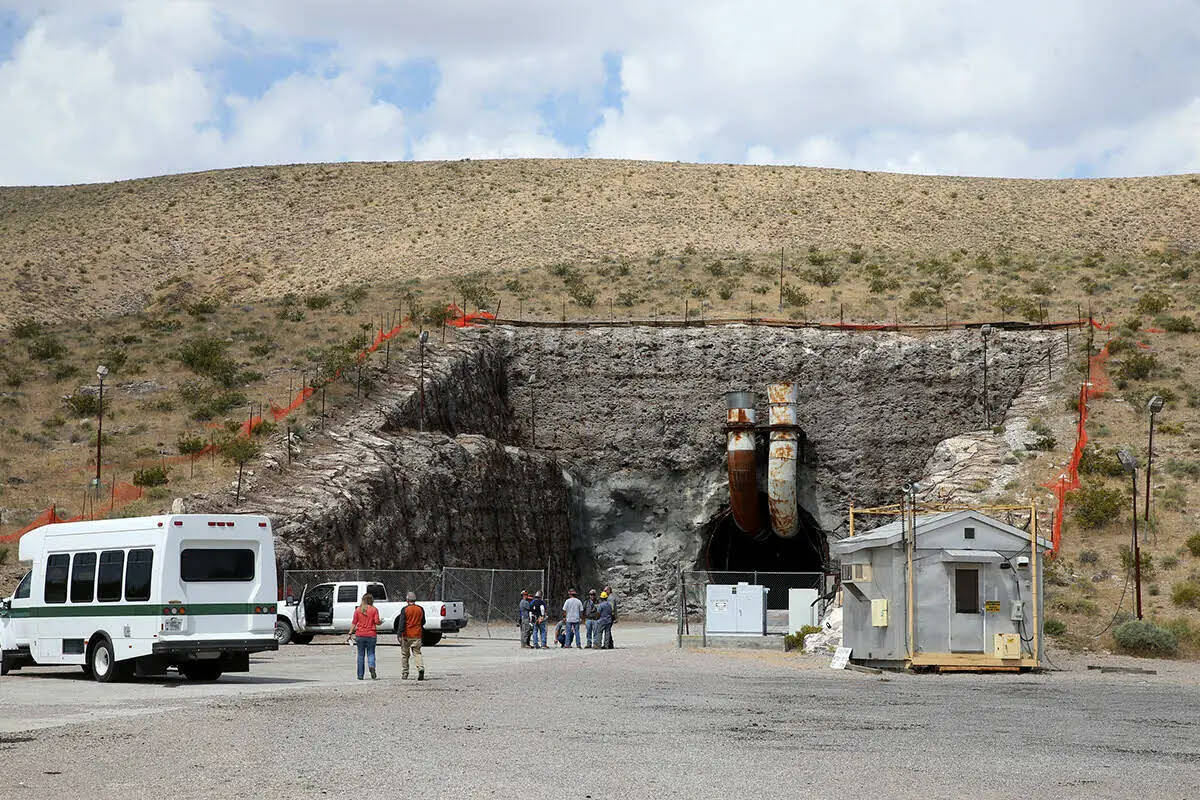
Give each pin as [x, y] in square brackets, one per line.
[879, 613]
[1007, 645]
[1018, 611]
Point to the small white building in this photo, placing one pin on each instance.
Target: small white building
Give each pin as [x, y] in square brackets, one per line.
[976, 588]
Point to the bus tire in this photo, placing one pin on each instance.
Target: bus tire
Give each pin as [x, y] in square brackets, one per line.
[103, 663]
[202, 671]
[302, 638]
[430, 638]
[283, 631]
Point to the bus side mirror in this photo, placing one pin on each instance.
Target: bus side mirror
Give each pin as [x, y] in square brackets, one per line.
[6, 604]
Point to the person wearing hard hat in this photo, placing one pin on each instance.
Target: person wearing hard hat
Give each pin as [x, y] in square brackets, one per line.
[604, 622]
[592, 617]
[523, 618]
[612, 599]
[572, 616]
[537, 612]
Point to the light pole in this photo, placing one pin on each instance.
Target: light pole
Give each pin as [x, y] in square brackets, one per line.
[985, 331]
[1130, 464]
[101, 372]
[424, 337]
[1154, 406]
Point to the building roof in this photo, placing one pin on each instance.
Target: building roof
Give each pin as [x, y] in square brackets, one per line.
[893, 532]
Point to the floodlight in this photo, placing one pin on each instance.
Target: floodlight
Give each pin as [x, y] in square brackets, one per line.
[1155, 405]
[1128, 461]
[102, 372]
[424, 337]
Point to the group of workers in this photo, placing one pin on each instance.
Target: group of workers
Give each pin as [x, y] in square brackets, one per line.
[595, 616]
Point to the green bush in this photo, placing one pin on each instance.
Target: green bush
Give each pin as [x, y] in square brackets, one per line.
[1144, 638]
[1185, 632]
[1181, 468]
[1186, 594]
[27, 328]
[190, 444]
[1126, 556]
[795, 641]
[924, 298]
[1193, 544]
[1096, 460]
[792, 296]
[1176, 324]
[46, 348]
[84, 405]
[150, 476]
[1096, 506]
[206, 355]
[1055, 626]
[1045, 437]
[1075, 604]
[1153, 303]
[203, 306]
[1137, 367]
[1089, 557]
[825, 274]
[317, 301]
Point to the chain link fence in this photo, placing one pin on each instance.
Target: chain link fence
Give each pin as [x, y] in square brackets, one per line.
[693, 588]
[491, 597]
[427, 583]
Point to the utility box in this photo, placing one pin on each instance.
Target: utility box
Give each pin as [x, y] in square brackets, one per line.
[879, 613]
[802, 609]
[735, 610]
[1008, 645]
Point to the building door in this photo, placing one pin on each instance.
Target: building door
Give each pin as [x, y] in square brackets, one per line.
[966, 610]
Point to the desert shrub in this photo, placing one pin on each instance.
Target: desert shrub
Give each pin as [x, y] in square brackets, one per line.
[1184, 631]
[1153, 303]
[1137, 367]
[1126, 556]
[1096, 460]
[1089, 557]
[13, 378]
[83, 405]
[436, 314]
[1176, 324]
[62, 371]
[1193, 544]
[795, 641]
[725, 289]
[290, 313]
[824, 274]
[626, 298]
[880, 285]
[1075, 604]
[475, 289]
[699, 290]
[856, 256]
[316, 302]
[1174, 497]
[114, 358]
[1186, 593]
[206, 355]
[1170, 562]
[46, 348]
[1096, 506]
[1045, 439]
[27, 328]
[262, 349]
[716, 269]
[150, 476]
[189, 444]
[203, 306]
[793, 296]
[1055, 626]
[1007, 304]
[1183, 468]
[161, 325]
[1144, 638]
[355, 293]
[586, 297]
[924, 298]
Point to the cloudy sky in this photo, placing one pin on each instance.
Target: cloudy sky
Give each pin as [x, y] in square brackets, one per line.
[97, 90]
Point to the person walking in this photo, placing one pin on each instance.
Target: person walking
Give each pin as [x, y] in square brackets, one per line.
[363, 629]
[410, 643]
[604, 623]
[523, 619]
[537, 612]
[592, 616]
[572, 616]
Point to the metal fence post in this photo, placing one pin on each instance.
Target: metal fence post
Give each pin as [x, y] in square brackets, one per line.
[491, 602]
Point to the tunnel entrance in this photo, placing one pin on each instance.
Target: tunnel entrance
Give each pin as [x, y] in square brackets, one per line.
[727, 549]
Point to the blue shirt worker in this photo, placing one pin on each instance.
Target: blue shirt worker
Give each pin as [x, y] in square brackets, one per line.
[591, 618]
[604, 623]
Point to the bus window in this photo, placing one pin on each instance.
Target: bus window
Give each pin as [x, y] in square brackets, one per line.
[108, 582]
[56, 578]
[137, 574]
[83, 578]
[207, 565]
[22, 592]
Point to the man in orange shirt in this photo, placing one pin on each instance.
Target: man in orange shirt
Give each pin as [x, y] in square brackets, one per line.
[410, 642]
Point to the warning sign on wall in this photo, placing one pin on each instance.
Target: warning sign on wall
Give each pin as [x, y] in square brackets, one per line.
[992, 606]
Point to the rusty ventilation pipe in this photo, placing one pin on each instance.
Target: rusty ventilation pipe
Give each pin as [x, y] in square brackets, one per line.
[743, 467]
[783, 453]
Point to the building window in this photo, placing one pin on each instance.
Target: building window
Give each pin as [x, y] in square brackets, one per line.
[966, 591]
[968, 533]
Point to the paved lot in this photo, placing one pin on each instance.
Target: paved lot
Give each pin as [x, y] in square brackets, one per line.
[641, 721]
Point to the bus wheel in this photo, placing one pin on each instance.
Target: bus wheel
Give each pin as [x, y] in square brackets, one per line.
[283, 631]
[104, 666]
[202, 671]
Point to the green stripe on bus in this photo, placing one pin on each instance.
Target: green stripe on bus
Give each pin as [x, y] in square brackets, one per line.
[125, 610]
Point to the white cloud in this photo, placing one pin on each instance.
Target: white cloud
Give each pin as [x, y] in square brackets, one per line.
[120, 88]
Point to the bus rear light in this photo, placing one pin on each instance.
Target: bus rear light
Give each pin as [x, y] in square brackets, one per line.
[262, 524]
[211, 524]
[178, 523]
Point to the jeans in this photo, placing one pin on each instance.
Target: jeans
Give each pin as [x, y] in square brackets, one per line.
[366, 648]
[539, 634]
[573, 633]
[592, 625]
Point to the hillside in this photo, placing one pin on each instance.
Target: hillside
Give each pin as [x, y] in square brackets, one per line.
[77, 251]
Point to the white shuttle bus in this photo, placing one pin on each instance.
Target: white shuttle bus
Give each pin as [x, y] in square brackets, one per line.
[124, 596]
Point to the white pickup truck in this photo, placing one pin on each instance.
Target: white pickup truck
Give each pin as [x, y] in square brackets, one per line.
[328, 608]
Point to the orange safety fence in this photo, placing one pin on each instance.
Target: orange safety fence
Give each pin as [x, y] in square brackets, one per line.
[120, 495]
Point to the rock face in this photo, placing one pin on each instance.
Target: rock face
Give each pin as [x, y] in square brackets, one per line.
[602, 450]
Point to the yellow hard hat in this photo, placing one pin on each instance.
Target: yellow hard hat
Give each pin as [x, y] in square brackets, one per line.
[603, 594]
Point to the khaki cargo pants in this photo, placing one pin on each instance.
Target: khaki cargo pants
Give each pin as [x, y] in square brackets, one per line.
[413, 646]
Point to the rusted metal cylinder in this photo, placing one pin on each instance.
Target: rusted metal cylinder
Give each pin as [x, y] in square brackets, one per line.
[743, 466]
[782, 457]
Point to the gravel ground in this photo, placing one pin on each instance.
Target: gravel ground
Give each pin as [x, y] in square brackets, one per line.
[644, 720]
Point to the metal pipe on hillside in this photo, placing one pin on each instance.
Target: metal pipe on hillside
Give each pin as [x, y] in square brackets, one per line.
[743, 462]
[782, 457]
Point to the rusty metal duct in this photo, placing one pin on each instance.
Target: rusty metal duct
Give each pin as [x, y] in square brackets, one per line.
[782, 457]
[743, 467]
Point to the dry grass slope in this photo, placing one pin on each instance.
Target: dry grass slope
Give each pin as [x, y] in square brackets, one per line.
[95, 250]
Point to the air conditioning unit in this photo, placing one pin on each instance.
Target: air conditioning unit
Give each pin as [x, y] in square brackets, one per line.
[856, 573]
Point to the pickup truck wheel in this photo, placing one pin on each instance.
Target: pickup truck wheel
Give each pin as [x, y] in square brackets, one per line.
[202, 671]
[302, 638]
[283, 631]
[430, 638]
